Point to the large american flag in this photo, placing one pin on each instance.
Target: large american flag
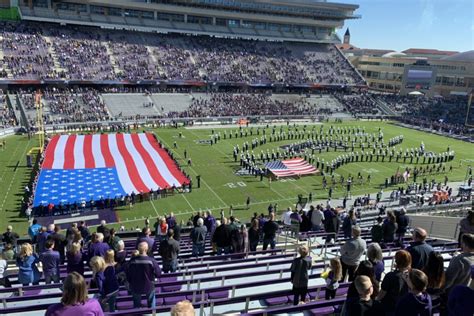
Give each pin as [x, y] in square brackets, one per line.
[290, 167]
[80, 168]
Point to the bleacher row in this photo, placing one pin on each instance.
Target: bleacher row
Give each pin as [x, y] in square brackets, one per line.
[254, 284]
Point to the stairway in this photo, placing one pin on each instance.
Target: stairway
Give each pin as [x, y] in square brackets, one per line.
[113, 61]
[384, 107]
[57, 65]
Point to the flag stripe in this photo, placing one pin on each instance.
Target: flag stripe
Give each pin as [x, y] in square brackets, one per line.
[69, 152]
[131, 167]
[152, 147]
[125, 181]
[79, 160]
[170, 163]
[88, 155]
[144, 173]
[155, 173]
[106, 150]
[49, 154]
[58, 161]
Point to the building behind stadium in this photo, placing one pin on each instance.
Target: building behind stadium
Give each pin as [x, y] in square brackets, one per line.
[430, 71]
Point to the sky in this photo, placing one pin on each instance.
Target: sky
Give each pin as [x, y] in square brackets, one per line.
[403, 24]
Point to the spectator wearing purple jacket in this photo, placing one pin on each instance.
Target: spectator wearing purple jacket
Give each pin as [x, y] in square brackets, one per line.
[97, 247]
[295, 217]
[141, 272]
[296, 221]
[417, 302]
[74, 300]
[210, 223]
[105, 280]
[50, 260]
[461, 299]
[375, 256]
[171, 220]
[75, 259]
[146, 237]
[41, 239]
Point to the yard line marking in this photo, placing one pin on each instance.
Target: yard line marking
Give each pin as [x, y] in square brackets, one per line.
[278, 193]
[184, 197]
[9, 162]
[13, 178]
[194, 171]
[156, 211]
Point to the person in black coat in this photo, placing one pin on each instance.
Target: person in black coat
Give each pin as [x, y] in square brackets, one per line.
[299, 275]
[402, 222]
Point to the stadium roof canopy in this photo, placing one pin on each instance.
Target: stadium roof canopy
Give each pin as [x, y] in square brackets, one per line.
[464, 56]
[294, 20]
[394, 55]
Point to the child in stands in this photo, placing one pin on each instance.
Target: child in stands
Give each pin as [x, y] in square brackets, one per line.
[364, 305]
[417, 302]
[333, 276]
[299, 275]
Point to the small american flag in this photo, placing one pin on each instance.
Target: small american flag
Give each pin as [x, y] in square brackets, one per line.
[290, 167]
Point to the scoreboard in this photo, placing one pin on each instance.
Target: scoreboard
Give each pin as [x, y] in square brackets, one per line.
[419, 76]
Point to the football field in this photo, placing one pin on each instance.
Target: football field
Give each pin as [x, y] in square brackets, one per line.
[222, 187]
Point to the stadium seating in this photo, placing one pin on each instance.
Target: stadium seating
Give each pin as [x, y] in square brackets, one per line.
[39, 51]
[221, 283]
[7, 115]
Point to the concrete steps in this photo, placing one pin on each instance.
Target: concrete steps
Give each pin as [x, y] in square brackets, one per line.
[52, 52]
[113, 61]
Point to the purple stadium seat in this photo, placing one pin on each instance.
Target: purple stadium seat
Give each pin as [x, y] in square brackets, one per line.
[314, 295]
[218, 294]
[273, 301]
[198, 297]
[170, 288]
[322, 311]
[172, 300]
[32, 292]
[341, 291]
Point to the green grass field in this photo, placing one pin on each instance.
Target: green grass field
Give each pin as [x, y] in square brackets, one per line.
[220, 187]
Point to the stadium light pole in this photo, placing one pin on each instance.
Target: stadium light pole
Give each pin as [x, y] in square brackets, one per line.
[39, 119]
[39, 125]
[469, 103]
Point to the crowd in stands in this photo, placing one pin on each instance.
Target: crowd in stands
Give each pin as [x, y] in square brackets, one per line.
[227, 104]
[132, 58]
[442, 114]
[81, 54]
[7, 116]
[35, 51]
[26, 53]
[358, 103]
[418, 284]
[68, 106]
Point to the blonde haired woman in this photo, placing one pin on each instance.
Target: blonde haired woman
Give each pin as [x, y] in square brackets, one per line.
[105, 279]
[75, 259]
[27, 262]
[109, 258]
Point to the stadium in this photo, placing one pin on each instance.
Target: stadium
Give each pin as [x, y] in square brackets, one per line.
[229, 157]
